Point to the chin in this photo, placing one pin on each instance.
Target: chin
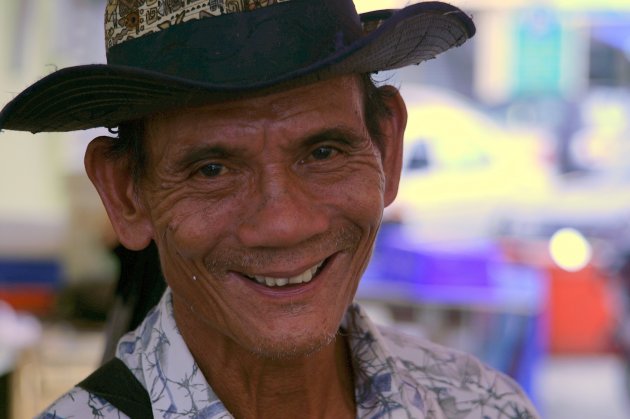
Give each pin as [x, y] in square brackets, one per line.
[293, 347]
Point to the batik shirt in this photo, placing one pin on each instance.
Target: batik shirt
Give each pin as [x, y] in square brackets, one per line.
[395, 376]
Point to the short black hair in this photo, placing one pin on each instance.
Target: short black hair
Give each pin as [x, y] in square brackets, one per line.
[129, 142]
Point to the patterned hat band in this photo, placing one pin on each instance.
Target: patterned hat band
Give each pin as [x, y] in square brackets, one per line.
[129, 19]
[202, 48]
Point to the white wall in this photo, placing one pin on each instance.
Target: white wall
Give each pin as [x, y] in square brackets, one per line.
[36, 38]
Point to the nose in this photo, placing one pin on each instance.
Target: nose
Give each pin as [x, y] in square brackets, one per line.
[283, 211]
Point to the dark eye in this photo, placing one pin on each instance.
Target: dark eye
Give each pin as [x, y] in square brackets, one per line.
[212, 169]
[323, 153]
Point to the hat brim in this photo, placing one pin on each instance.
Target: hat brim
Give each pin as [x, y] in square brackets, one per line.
[104, 95]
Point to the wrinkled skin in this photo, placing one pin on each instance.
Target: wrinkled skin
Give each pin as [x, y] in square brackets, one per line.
[271, 186]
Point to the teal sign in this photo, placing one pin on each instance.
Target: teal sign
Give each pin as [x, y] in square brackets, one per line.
[538, 39]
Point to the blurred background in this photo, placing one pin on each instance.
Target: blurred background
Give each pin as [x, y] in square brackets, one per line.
[510, 237]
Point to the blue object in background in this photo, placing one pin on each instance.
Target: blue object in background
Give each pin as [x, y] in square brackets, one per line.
[510, 299]
[16, 272]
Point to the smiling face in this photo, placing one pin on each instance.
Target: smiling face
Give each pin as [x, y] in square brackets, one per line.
[264, 211]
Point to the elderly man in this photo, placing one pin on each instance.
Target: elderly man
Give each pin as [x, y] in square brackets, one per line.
[255, 151]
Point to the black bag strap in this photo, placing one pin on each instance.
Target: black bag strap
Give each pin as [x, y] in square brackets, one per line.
[114, 382]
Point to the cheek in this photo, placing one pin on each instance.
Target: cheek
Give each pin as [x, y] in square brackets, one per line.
[361, 192]
[190, 225]
[363, 203]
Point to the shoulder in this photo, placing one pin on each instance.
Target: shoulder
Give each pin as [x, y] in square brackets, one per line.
[419, 352]
[456, 382]
[78, 403]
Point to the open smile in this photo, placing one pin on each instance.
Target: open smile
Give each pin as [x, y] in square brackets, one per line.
[301, 278]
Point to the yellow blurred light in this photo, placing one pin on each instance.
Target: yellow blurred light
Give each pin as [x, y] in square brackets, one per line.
[570, 250]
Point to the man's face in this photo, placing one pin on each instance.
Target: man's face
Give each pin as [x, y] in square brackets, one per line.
[265, 211]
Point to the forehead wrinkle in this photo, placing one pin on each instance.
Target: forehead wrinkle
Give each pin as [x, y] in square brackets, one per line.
[348, 87]
[188, 134]
[320, 118]
[257, 118]
[274, 106]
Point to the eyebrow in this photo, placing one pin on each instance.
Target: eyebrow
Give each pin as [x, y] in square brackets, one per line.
[341, 133]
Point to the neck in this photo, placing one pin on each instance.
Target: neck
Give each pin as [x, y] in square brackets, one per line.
[317, 385]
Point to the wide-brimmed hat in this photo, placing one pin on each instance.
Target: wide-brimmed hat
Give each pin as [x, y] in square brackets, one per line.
[167, 54]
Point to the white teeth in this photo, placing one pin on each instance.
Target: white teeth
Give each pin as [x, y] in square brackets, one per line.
[302, 278]
[281, 282]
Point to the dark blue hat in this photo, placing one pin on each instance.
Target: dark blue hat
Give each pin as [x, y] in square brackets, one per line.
[163, 55]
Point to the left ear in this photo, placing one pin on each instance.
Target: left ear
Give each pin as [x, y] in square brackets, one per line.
[393, 130]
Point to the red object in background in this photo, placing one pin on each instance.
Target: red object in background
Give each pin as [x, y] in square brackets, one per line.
[35, 299]
[581, 311]
[30, 284]
[580, 308]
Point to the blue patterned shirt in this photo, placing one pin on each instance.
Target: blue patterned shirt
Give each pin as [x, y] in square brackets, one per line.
[396, 376]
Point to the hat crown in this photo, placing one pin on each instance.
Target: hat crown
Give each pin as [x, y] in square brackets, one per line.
[131, 19]
[250, 42]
